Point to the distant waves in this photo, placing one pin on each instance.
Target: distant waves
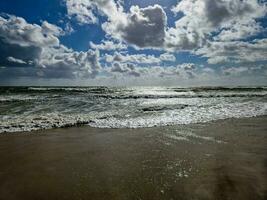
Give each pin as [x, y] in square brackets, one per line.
[35, 108]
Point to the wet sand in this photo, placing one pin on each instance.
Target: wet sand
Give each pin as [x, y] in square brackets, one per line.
[226, 159]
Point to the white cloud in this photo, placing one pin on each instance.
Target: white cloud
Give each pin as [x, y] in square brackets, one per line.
[38, 47]
[108, 46]
[51, 29]
[68, 29]
[145, 27]
[66, 63]
[82, 11]
[187, 66]
[202, 21]
[202, 18]
[139, 58]
[208, 28]
[183, 71]
[167, 57]
[141, 27]
[187, 70]
[125, 69]
[242, 71]
[15, 30]
[16, 60]
[132, 58]
[234, 51]
[240, 31]
[234, 70]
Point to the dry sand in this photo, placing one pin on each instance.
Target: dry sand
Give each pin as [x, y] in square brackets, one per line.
[219, 160]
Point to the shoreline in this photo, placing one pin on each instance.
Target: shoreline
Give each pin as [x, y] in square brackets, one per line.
[80, 125]
[224, 159]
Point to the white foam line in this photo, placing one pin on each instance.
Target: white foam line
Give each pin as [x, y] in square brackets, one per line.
[175, 137]
[187, 135]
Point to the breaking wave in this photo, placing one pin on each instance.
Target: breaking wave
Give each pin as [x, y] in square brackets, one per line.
[36, 108]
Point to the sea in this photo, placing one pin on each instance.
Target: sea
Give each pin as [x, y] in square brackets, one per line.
[24, 109]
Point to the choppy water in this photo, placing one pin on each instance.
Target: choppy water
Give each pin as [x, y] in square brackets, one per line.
[34, 108]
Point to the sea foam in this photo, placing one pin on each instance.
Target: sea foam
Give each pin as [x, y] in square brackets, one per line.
[28, 109]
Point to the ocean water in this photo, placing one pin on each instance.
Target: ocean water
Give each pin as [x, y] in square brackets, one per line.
[34, 108]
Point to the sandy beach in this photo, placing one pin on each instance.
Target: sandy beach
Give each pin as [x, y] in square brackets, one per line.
[226, 159]
[133, 100]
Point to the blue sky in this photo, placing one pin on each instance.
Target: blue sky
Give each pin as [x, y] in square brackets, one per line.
[133, 42]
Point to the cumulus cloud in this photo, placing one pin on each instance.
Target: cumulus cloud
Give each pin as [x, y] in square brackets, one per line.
[68, 29]
[242, 70]
[186, 73]
[38, 47]
[187, 70]
[167, 57]
[23, 41]
[240, 31]
[108, 46]
[201, 23]
[66, 63]
[145, 26]
[125, 69]
[140, 58]
[141, 27]
[234, 70]
[132, 58]
[202, 18]
[235, 51]
[187, 66]
[16, 31]
[82, 11]
[223, 31]
[183, 71]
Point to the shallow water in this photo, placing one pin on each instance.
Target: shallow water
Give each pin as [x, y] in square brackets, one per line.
[34, 108]
[219, 160]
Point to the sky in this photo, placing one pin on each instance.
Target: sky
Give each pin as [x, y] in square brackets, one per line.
[133, 42]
